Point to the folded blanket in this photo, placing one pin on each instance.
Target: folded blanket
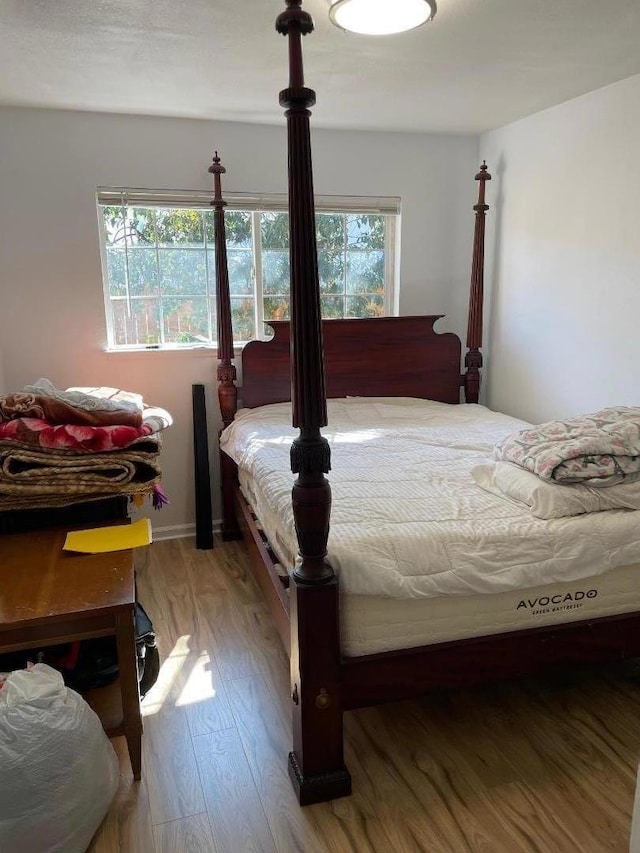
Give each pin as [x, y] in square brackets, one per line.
[143, 444]
[602, 449]
[22, 405]
[94, 399]
[34, 474]
[11, 503]
[545, 499]
[36, 433]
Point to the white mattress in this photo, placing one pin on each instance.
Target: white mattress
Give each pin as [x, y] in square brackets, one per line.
[408, 521]
[372, 624]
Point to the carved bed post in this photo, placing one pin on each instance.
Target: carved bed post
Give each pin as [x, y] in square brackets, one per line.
[473, 358]
[227, 391]
[316, 765]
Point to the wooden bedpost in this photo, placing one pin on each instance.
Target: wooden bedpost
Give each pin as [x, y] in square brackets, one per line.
[473, 358]
[316, 765]
[227, 391]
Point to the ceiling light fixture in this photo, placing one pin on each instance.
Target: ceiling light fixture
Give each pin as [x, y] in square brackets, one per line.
[381, 17]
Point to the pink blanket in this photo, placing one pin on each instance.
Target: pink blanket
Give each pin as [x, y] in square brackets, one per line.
[82, 439]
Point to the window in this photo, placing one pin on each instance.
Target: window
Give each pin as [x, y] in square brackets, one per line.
[159, 264]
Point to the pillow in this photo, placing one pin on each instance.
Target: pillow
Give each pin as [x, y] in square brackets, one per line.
[546, 499]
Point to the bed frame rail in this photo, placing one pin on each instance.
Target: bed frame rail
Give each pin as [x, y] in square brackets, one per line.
[408, 673]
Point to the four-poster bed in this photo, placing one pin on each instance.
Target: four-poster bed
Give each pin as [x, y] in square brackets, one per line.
[399, 357]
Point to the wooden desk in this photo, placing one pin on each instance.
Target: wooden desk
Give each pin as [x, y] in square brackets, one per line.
[50, 596]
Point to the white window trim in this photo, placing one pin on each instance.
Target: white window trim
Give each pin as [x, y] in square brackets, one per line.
[140, 197]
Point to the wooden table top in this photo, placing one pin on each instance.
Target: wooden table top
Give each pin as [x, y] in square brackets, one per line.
[38, 580]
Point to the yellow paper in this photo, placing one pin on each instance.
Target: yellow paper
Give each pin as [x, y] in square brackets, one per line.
[119, 537]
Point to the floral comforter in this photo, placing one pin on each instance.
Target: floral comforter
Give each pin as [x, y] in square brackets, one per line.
[601, 449]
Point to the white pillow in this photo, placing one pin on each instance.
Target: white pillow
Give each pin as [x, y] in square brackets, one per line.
[553, 500]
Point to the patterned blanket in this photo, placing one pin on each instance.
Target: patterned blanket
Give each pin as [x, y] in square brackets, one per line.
[54, 411]
[601, 449]
[84, 406]
[38, 433]
[30, 478]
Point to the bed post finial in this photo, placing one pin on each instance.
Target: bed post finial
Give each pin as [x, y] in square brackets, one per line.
[316, 765]
[473, 358]
[227, 391]
[310, 453]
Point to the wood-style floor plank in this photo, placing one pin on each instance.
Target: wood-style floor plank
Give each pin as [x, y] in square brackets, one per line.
[237, 818]
[186, 835]
[447, 805]
[542, 765]
[171, 772]
[264, 739]
[235, 618]
[127, 827]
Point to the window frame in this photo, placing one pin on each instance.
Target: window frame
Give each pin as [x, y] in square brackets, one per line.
[254, 205]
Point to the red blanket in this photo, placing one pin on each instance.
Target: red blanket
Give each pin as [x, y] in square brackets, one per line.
[83, 439]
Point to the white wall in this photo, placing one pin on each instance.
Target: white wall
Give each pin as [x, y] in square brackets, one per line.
[52, 312]
[565, 240]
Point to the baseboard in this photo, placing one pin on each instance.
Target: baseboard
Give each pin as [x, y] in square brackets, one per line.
[181, 531]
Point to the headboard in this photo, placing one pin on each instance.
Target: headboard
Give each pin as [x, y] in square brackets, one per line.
[373, 357]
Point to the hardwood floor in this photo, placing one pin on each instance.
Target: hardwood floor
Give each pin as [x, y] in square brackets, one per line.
[530, 766]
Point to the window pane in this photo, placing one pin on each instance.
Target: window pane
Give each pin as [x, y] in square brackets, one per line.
[365, 231]
[365, 306]
[179, 227]
[275, 230]
[142, 326]
[140, 226]
[331, 272]
[276, 308]
[119, 322]
[211, 268]
[243, 319]
[238, 229]
[365, 272]
[332, 307]
[182, 271]
[330, 231]
[143, 272]
[240, 266]
[113, 218]
[116, 272]
[275, 271]
[186, 321]
[237, 226]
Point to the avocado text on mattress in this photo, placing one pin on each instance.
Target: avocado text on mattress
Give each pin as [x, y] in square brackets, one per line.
[553, 603]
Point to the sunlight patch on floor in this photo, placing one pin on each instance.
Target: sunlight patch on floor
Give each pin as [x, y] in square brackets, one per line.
[169, 672]
[199, 686]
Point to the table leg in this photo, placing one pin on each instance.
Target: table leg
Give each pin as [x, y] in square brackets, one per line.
[127, 663]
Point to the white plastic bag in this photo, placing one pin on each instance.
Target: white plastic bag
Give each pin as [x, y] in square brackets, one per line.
[58, 771]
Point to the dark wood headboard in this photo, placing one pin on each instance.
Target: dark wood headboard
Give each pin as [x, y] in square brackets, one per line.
[374, 357]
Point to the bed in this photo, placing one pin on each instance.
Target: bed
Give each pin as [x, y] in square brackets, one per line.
[394, 646]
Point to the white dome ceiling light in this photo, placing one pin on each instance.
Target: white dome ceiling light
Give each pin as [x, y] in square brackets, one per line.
[381, 17]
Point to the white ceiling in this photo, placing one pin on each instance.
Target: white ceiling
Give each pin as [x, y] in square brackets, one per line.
[480, 64]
